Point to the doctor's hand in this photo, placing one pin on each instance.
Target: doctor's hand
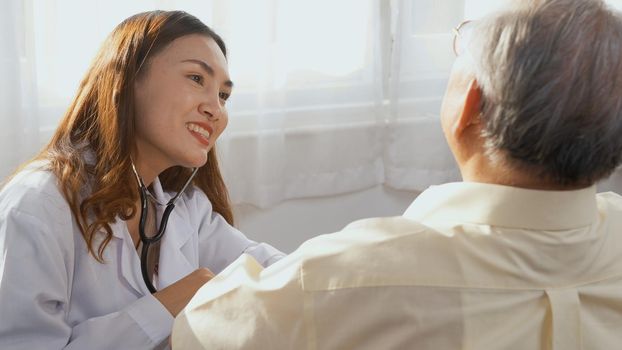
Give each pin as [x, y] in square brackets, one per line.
[176, 296]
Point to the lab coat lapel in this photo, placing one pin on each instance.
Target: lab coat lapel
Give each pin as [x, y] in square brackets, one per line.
[128, 259]
[177, 259]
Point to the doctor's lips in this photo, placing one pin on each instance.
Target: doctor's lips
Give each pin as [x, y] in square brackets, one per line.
[200, 131]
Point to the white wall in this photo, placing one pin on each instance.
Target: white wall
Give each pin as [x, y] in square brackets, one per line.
[290, 223]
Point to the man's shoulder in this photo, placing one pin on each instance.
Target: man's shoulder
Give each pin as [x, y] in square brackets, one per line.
[370, 252]
[363, 233]
[394, 224]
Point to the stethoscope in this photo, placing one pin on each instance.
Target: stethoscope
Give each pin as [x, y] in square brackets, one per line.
[144, 239]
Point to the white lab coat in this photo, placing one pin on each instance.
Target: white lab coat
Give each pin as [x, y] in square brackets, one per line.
[54, 295]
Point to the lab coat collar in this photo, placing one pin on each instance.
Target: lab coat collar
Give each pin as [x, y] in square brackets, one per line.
[129, 261]
[183, 231]
[174, 262]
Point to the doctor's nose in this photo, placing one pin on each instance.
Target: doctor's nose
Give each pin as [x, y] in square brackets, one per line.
[211, 108]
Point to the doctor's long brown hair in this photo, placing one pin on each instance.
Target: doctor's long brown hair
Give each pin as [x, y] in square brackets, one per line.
[99, 124]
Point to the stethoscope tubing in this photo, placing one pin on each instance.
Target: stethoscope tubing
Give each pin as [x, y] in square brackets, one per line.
[148, 241]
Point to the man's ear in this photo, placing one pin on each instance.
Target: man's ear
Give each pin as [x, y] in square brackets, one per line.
[470, 113]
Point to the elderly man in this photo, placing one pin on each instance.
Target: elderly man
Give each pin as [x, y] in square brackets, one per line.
[521, 255]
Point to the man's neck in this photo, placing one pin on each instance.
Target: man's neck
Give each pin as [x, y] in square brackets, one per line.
[482, 169]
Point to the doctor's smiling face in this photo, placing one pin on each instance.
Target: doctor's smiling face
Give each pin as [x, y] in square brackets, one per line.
[180, 98]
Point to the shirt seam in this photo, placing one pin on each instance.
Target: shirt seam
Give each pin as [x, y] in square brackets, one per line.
[308, 315]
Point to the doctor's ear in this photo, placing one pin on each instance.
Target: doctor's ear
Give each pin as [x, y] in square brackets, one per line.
[471, 109]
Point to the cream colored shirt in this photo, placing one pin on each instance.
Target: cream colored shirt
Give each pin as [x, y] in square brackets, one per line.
[468, 266]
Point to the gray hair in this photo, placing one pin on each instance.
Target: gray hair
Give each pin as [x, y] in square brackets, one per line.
[551, 78]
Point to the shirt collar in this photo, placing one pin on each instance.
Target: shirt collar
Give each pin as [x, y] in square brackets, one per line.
[159, 194]
[506, 206]
[158, 191]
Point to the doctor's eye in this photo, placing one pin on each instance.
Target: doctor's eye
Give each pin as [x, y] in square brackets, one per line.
[224, 96]
[196, 78]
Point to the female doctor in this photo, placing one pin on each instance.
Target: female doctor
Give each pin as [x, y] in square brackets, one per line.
[109, 232]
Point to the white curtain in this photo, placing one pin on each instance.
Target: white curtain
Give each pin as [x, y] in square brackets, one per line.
[306, 115]
[416, 155]
[331, 96]
[19, 126]
[305, 118]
